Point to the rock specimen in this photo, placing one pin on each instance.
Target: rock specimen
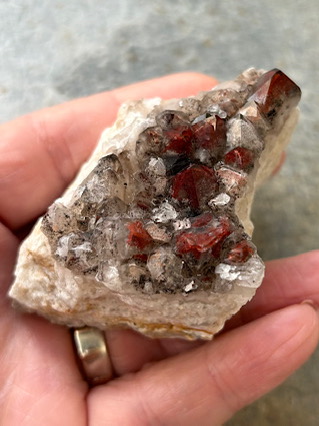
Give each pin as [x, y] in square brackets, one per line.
[154, 233]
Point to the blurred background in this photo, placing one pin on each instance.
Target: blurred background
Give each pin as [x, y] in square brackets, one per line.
[52, 51]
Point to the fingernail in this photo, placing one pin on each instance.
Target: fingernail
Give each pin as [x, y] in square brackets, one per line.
[310, 303]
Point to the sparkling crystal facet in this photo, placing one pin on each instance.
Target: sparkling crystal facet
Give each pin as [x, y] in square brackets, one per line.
[203, 238]
[272, 90]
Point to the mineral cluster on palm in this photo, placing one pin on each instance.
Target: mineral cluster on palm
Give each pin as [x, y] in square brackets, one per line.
[154, 233]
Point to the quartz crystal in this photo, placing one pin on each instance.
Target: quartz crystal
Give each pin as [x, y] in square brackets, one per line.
[154, 233]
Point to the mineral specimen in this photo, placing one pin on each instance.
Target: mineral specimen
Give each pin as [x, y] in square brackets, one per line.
[155, 233]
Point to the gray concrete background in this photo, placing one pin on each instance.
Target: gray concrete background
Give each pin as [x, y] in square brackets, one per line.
[55, 50]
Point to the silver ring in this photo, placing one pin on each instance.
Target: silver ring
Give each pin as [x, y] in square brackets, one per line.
[93, 355]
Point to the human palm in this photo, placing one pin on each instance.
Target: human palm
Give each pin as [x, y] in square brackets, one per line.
[167, 381]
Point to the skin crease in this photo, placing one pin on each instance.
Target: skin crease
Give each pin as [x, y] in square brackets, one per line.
[157, 382]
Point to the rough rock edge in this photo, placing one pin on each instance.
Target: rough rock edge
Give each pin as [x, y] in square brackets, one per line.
[45, 287]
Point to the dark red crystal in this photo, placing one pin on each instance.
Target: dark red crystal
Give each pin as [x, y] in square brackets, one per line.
[138, 236]
[194, 185]
[202, 220]
[272, 89]
[241, 252]
[178, 141]
[206, 136]
[206, 239]
[240, 158]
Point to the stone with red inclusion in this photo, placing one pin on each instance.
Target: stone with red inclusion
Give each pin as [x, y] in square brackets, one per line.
[240, 158]
[241, 252]
[138, 236]
[202, 220]
[206, 136]
[150, 142]
[194, 185]
[272, 89]
[233, 180]
[178, 141]
[202, 240]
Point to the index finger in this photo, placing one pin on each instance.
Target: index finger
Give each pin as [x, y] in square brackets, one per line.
[40, 153]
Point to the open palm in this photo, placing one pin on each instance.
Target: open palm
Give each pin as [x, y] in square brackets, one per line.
[157, 382]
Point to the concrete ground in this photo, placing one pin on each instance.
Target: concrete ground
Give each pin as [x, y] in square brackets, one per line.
[52, 51]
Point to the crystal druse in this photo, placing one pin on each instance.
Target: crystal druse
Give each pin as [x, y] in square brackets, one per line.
[154, 233]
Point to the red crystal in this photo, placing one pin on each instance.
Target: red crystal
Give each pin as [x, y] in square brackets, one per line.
[271, 91]
[141, 257]
[241, 252]
[138, 236]
[194, 185]
[179, 141]
[202, 220]
[204, 240]
[240, 158]
[206, 136]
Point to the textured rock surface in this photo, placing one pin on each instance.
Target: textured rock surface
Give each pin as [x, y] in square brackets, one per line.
[155, 231]
[231, 36]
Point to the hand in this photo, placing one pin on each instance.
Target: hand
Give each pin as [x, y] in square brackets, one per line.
[159, 382]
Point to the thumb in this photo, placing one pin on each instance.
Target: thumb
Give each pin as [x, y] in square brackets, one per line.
[209, 384]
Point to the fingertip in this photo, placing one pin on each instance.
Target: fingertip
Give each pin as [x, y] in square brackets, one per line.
[311, 257]
[293, 332]
[277, 345]
[290, 333]
[292, 279]
[254, 359]
[287, 282]
[309, 317]
[197, 79]
[177, 85]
